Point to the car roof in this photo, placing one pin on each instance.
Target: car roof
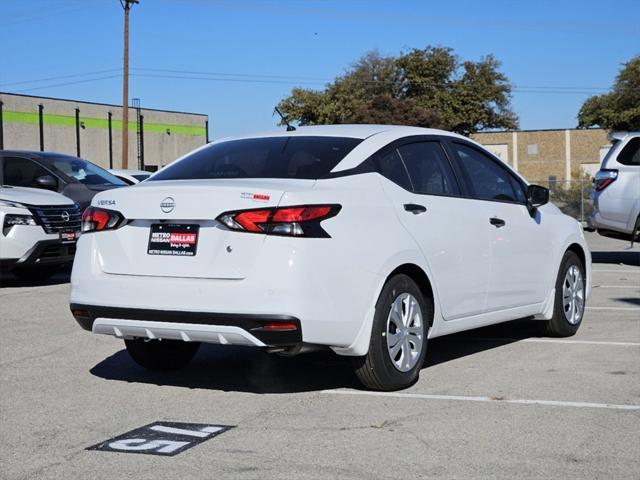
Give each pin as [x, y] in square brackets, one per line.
[346, 130]
[35, 154]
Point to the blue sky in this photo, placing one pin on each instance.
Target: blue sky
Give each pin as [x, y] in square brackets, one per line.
[556, 53]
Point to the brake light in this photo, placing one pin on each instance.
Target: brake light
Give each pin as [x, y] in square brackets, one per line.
[98, 219]
[294, 221]
[604, 178]
[280, 326]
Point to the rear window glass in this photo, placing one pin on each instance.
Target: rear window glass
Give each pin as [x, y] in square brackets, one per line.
[630, 154]
[271, 157]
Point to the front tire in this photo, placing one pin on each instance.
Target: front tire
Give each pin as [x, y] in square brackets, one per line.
[398, 342]
[161, 354]
[569, 304]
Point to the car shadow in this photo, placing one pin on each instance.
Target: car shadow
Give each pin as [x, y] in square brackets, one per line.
[250, 370]
[8, 280]
[630, 257]
[630, 300]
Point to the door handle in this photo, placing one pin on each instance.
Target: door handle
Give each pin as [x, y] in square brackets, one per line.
[497, 222]
[415, 208]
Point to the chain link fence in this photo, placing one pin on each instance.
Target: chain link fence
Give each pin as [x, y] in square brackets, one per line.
[573, 197]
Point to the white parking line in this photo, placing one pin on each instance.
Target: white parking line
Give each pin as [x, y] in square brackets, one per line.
[550, 340]
[618, 286]
[421, 396]
[621, 309]
[617, 271]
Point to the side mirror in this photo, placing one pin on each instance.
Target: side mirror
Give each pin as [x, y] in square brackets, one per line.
[537, 196]
[47, 182]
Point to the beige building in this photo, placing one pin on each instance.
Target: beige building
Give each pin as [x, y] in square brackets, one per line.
[94, 130]
[549, 155]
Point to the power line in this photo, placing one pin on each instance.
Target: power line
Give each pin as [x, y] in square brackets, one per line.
[245, 77]
[229, 74]
[256, 80]
[73, 75]
[67, 83]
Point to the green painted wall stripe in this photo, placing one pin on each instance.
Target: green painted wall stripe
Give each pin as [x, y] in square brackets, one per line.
[90, 122]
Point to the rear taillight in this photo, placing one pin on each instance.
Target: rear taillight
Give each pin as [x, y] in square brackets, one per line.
[98, 219]
[604, 178]
[294, 221]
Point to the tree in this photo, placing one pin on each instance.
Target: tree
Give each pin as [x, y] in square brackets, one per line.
[618, 109]
[427, 88]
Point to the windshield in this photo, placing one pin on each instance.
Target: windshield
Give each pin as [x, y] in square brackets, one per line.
[141, 177]
[270, 157]
[82, 171]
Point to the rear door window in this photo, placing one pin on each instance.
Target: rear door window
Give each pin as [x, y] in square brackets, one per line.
[268, 157]
[429, 168]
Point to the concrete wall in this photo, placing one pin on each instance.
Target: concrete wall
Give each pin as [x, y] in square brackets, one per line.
[539, 154]
[167, 135]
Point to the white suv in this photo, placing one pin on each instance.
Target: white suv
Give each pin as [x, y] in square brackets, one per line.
[616, 192]
[39, 231]
[366, 239]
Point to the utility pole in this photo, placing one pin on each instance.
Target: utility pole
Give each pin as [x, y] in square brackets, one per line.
[126, 5]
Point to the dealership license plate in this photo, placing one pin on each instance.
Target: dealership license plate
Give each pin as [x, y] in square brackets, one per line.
[173, 239]
[69, 236]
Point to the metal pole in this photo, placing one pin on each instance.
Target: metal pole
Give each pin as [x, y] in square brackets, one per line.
[110, 141]
[581, 196]
[77, 132]
[41, 126]
[1, 127]
[206, 128]
[141, 142]
[126, 5]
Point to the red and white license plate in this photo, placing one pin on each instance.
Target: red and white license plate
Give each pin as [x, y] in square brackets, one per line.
[69, 236]
[173, 239]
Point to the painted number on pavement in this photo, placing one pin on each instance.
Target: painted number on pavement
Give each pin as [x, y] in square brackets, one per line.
[162, 438]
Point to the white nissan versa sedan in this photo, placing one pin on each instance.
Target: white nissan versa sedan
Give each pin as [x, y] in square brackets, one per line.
[367, 239]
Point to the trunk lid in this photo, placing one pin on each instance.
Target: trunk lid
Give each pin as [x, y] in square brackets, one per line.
[220, 253]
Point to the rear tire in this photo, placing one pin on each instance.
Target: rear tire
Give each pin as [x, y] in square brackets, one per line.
[161, 354]
[569, 304]
[398, 342]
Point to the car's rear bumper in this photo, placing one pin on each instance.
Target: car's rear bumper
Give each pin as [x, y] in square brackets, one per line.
[221, 328]
[300, 280]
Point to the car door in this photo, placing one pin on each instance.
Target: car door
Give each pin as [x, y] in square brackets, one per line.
[449, 229]
[520, 246]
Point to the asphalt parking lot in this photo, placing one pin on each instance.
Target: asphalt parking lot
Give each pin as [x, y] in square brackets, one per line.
[498, 402]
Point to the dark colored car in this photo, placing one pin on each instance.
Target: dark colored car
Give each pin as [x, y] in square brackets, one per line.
[71, 176]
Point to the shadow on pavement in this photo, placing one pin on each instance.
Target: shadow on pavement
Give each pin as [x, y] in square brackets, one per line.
[630, 257]
[245, 369]
[629, 300]
[8, 280]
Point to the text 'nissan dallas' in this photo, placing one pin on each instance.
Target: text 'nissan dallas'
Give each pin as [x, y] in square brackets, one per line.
[366, 239]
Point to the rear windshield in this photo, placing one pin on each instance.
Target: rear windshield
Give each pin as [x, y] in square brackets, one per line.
[271, 157]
